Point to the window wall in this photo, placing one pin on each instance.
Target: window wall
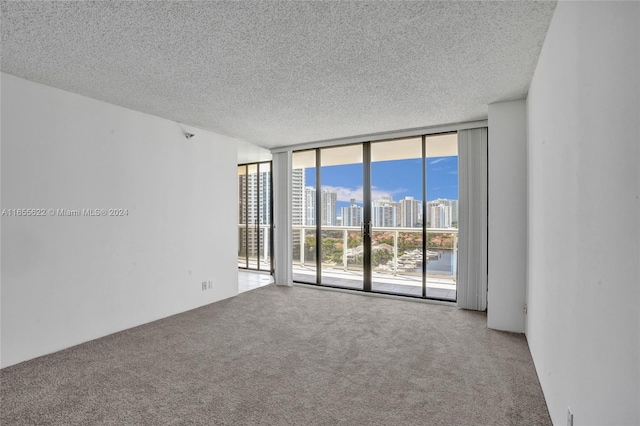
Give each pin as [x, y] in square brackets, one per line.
[342, 216]
[303, 216]
[387, 216]
[255, 231]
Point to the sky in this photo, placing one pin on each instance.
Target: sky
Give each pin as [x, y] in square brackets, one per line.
[398, 179]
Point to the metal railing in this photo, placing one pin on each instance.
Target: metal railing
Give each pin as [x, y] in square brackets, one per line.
[405, 260]
[248, 245]
[391, 253]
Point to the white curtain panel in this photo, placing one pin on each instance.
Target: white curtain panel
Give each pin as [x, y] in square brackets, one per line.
[283, 273]
[472, 219]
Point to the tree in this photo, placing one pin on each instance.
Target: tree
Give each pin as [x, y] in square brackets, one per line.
[381, 257]
[310, 247]
[354, 240]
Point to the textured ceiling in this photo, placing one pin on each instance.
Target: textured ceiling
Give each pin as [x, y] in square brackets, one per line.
[281, 73]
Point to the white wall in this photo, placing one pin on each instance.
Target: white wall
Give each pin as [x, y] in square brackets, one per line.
[252, 153]
[283, 251]
[507, 216]
[66, 280]
[583, 112]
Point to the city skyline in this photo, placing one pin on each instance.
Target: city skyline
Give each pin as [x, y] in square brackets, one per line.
[396, 200]
[397, 179]
[390, 179]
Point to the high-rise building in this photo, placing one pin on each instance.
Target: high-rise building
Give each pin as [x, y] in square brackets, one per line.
[297, 196]
[454, 213]
[264, 206]
[352, 215]
[254, 205]
[329, 207]
[410, 213]
[384, 212]
[297, 207]
[439, 215]
[435, 215]
[309, 206]
[328, 211]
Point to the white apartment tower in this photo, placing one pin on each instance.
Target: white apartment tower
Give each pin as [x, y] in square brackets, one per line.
[440, 216]
[410, 213]
[297, 196]
[385, 212]
[254, 207]
[435, 215]
[352, 215]
[309, 206]
[329, 206]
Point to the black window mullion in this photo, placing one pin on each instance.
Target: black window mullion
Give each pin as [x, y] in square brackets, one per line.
[318, 214]
[366, 215]
[271, 246]
[424, 217]
[246, 216]
[258, 216]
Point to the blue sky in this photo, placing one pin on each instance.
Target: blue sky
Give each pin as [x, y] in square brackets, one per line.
[398, 179]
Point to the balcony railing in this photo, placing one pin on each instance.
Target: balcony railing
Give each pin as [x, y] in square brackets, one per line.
[384, 239]
[248, 247]
[397, 258]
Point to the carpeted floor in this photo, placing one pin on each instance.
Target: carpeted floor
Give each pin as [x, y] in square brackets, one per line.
[287, 356]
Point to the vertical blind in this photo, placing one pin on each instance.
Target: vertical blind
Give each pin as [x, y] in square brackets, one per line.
[472, 220]
[283, 273]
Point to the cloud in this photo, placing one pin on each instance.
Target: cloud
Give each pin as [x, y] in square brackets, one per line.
[379, 193]
[346, 194]
[437, 160]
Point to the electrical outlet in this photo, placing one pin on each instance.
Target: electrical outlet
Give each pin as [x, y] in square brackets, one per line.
[525, 309]
[204, 285]
[210, 284]
[569, 417]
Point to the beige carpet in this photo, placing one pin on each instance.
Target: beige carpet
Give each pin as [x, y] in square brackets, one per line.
[287, 356]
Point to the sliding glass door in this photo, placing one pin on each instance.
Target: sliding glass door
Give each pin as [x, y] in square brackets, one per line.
[342, 219]
[255, 232]
[303, 216]
[441, 213]
[378, 216]
[396, 211]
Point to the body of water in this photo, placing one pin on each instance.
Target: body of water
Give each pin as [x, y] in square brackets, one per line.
[443, 264]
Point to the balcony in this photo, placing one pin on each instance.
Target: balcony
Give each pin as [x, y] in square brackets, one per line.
[396, 259]
[248, 255]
